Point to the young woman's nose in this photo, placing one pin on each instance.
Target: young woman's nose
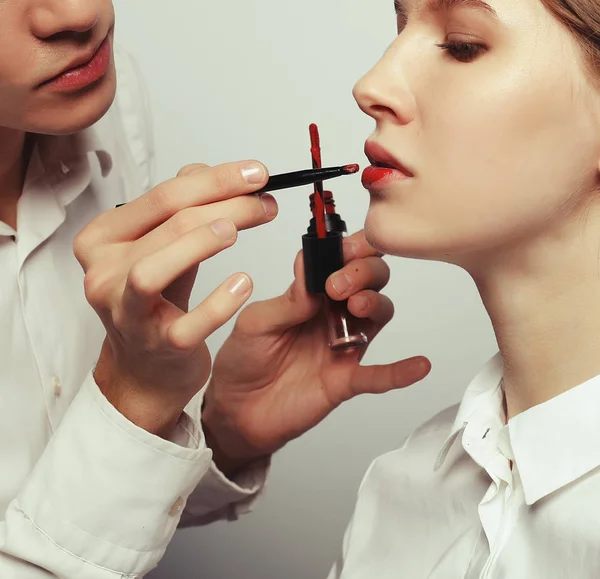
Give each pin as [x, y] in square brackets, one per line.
[53, 17]
[384, 92]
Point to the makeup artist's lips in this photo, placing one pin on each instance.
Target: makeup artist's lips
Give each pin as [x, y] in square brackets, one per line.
[384, 167]
[84, 70]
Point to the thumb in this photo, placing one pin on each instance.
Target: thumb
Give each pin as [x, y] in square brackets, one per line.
[380, 379]
[294, 307]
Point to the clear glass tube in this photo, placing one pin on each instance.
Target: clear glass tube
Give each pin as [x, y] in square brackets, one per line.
[342, 327]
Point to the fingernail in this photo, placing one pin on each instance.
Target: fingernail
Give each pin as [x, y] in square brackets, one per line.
[269, 204]
[350, 250]
[423, 364]
[341, 283]
[254, 174]
[223, 228]
[239, 285]
[360, 302]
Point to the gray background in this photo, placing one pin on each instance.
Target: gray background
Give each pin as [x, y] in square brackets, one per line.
[243, 79]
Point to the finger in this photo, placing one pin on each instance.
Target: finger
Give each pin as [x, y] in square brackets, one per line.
[373, 306]
[380, 379]
[202, 187]
[373, 310]
[359, 274]
[356, 246]
[294, 307]
[151, 275]
[191, 169]
[244, 212]
[217, 309]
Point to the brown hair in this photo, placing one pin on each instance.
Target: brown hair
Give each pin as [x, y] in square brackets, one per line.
[582, 18]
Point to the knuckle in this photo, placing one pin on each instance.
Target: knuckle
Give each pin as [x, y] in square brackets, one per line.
[214, 313]
[225, 178]
[182, 222]
[160, 199]
[139, 281]
[97, 284]
[219, 309]
[191, 169]
[83, 242]
[119, 320]
[178, 339]
[374, 269]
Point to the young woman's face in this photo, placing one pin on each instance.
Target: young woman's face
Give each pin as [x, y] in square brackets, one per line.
[488, 108]
[40, 39]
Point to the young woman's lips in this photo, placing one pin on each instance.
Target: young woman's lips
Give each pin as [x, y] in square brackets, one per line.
[86, 74]
[375, 177]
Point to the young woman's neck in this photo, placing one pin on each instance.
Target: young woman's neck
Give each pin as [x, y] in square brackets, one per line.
[544, 304]
[13, 165]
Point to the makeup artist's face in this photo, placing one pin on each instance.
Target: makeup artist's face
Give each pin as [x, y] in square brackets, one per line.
[491, 111]
[40, 39]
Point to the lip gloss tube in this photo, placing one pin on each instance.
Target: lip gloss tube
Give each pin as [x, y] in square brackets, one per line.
[323, 257]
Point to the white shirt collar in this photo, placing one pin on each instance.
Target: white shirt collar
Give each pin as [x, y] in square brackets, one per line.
[480, 395]
[557, 442]
[56, 152]
[554, 443]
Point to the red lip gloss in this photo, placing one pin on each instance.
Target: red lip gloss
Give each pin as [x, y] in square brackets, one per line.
[324, 255]
[83, 76]
[372, 175]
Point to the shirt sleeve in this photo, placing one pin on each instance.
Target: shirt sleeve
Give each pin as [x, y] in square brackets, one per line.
[103, 501]
[216, 497]
[106, 496]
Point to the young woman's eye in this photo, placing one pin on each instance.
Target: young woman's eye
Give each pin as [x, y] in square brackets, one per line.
[462, 51]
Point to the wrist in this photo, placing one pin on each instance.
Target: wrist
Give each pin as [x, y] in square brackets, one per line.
[150, 411]
[145, 413]
[231, 453]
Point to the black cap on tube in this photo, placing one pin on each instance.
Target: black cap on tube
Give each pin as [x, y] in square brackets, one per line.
[333, 222]
[322, 257]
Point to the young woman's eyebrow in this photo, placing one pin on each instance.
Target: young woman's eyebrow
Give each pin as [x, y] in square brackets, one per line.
[438, 5]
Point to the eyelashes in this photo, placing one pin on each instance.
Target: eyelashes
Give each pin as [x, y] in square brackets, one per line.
[462, 51]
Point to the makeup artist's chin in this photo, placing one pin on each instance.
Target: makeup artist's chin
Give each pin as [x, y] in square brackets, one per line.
[67, 113]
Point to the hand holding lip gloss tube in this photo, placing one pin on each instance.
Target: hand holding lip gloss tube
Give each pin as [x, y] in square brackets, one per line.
[277, 374]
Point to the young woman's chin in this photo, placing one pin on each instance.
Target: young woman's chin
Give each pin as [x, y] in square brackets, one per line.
[395, 236]
[399, 235]
[67, 113]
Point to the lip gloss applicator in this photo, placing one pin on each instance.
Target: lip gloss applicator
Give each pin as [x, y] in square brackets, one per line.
[324, 255]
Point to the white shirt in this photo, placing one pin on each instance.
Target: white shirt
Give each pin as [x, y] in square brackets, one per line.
[85, 493]
[447, 505]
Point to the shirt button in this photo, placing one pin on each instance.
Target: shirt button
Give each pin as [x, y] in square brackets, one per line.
[177, 507]
[56, 385]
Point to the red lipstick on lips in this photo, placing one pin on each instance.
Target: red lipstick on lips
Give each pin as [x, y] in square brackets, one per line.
[82, 76]
[384, 168]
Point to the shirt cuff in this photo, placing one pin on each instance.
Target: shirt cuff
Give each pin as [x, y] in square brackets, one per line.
[217, 497]
[109, 492]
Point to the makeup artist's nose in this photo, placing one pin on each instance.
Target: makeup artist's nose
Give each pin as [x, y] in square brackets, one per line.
[383, 93]
[52, 17]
